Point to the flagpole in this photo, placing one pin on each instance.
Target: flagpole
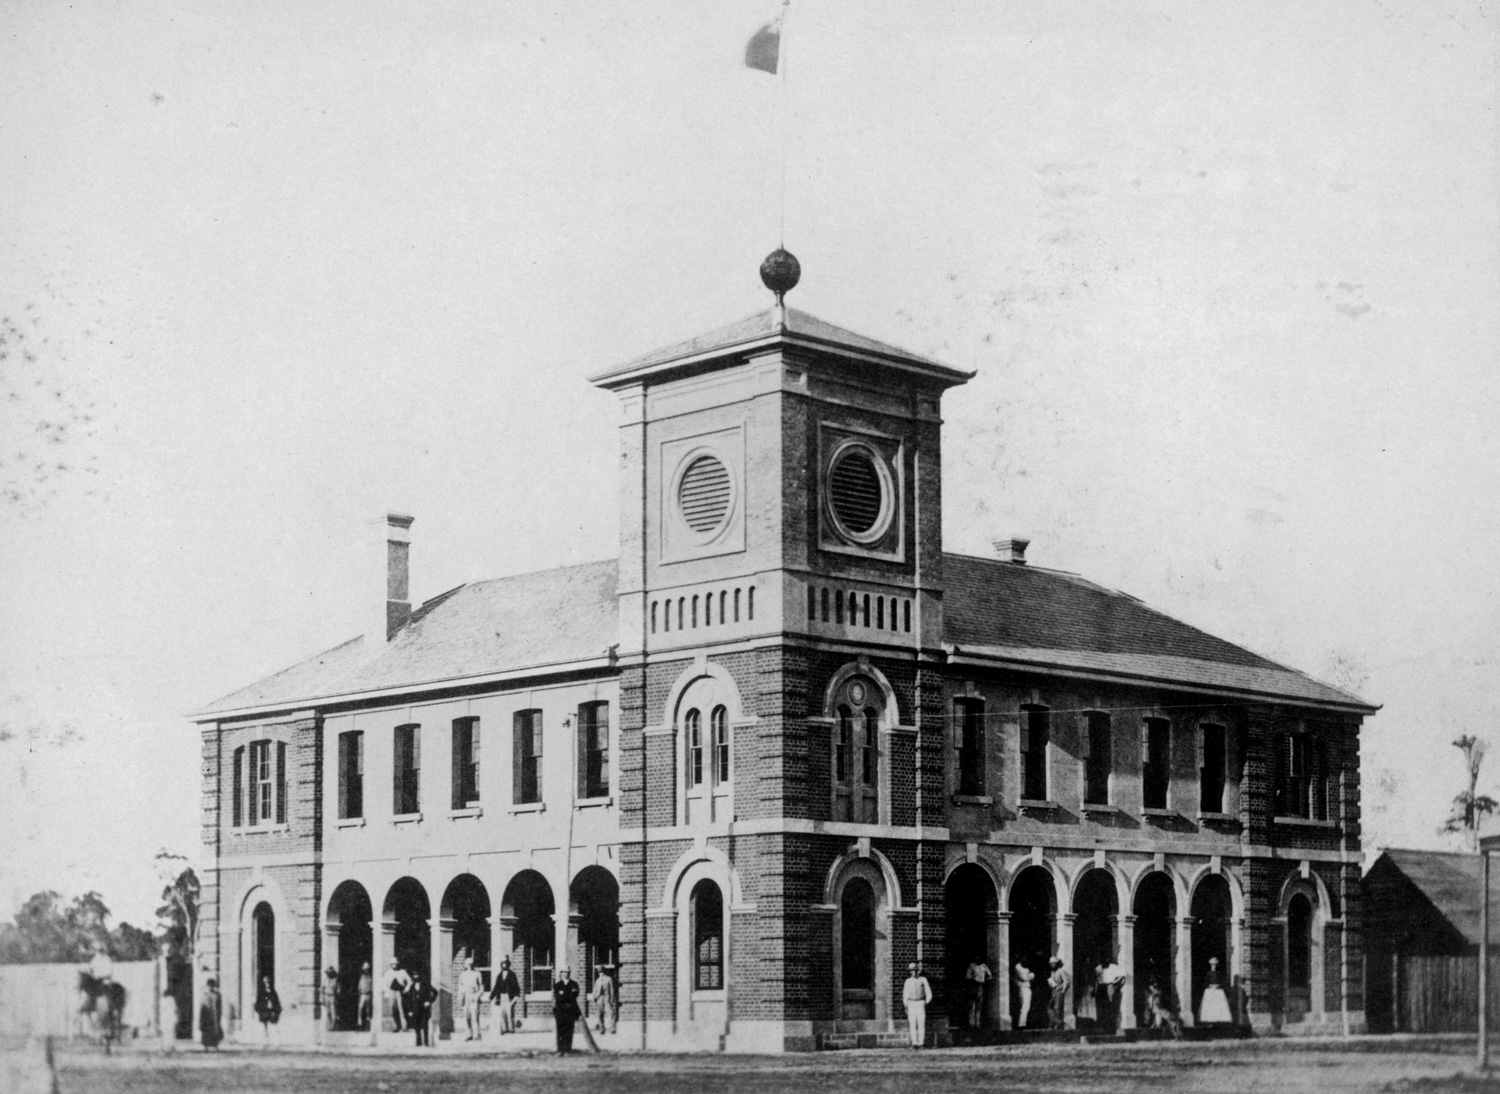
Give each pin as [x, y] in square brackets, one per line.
[781, 67]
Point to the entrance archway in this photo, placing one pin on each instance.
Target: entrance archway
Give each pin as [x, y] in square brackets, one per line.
[262, 948]
[972, 934]
[404, 920]
[1212, 911]
[1299, 956]
[1155, 909]
[529, 907]
[1033, 915]
[1096, 905]
[595, 927]
[353, 945]
[465, 926]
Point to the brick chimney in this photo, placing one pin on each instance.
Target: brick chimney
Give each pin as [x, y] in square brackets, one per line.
[1012, 550]
[390, 550]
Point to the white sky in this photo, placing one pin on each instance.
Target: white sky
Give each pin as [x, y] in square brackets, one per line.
[1229, 274]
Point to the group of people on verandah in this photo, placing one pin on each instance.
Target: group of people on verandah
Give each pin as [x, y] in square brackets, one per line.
[410, 1000]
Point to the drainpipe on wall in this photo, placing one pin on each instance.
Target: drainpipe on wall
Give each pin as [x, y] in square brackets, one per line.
[917, 691]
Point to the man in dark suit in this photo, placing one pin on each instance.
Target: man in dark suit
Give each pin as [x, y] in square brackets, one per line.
[565, 1010]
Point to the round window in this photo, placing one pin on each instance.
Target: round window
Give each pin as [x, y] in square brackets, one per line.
[703, 495]
[859, 494]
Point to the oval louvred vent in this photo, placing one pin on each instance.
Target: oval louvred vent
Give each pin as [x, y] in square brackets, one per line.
[703, 495]
[856, 491]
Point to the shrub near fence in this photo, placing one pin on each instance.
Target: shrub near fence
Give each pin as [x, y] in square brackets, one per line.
[42, 1000]
[1440, 994]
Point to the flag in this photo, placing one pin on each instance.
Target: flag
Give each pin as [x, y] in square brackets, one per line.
[764, 48]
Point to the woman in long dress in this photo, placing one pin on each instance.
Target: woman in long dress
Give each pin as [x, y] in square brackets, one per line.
[211, 1016]
[1213, 1008]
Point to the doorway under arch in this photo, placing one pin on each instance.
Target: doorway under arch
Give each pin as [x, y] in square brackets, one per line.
[1155, 909]
[971, 934]
[1212, 911]
[349, 925]
[595, 899]
[529, 907]
[1096, 905]
[1033, 919]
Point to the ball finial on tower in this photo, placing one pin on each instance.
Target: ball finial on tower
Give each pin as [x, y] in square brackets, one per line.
[780, 272]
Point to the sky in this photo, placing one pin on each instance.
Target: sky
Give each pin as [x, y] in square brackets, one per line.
[1229, 276]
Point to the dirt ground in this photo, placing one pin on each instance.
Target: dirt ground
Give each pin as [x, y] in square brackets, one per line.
[1379, 1065]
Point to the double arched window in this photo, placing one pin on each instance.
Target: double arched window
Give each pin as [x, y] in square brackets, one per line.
[856, 751]
[707, 750]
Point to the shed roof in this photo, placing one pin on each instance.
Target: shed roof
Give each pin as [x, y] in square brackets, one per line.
[1449, 881]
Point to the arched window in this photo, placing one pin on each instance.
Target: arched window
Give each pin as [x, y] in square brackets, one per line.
[263, 946]
[720, 724]
[1299, 943]
[693, 724]
[708, 937]
[856, 751]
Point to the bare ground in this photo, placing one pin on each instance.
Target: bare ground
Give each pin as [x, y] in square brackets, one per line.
[1405, 1066]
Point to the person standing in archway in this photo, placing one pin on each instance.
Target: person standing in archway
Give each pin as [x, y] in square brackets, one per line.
[1111, 990]
[1022, 977]
[565, 1010]
[366, 997]
[916, 993]
[503, 996]
[1058, 984]
[470, 990]
[606, 996]
[330, 990]
[977, 979]
[397, 984]
[267, 1007]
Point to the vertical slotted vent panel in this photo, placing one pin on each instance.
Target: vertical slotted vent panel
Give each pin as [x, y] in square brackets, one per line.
[704, 494]
[856, 493]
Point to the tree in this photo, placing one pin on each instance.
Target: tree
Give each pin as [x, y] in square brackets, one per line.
[1470, 807]
[47, 930]
[178, 918]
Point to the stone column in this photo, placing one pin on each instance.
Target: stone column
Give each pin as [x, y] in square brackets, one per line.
[1184, 969]
[1064, 932]
[382, 946]
[442, 970]
[573, 957]
[997, 1007]
[1002, 970]
[1125, 955]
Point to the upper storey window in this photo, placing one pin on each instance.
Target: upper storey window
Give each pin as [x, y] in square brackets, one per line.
[1156, 766]
[1304, 782]
[259, 784]
[1036, 736]
[593, 750]
[407, 770]
[856, 743]
[1098, 759]
[1211, 768]
[969, 716]
[351, 774]
[465, 762]
[526, 773]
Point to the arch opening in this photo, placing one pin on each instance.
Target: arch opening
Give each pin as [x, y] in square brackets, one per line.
[1033, 919]
[857, 948]
[349, 922]
[405, 921]
[1096, 904]
[1155, 908]
[528, 905]
[972, 934]
[262, 947]
[595, 897]
[1212, 911]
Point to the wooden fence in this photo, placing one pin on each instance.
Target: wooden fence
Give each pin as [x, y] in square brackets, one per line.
[1441, 994]
[42, 1000]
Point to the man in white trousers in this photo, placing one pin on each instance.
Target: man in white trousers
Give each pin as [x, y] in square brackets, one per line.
[916, 993]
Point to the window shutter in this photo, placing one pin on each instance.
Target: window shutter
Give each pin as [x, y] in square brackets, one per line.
[1202, 732]
[346, 765]
[280, 782]
[238, 808]
[456, 764]
[396, 767]
[581, 735]
[252, 772]
[1086, 738]
[520, 735]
